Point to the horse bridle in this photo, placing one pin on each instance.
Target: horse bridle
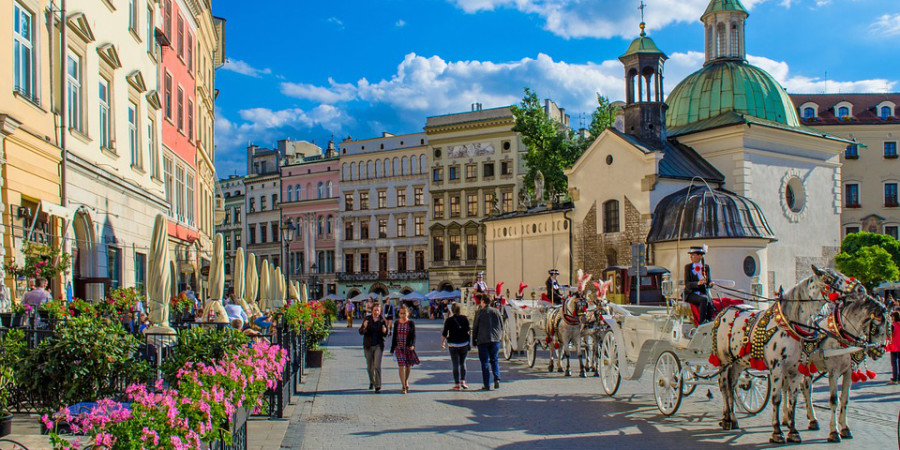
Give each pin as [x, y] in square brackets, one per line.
[578, 313]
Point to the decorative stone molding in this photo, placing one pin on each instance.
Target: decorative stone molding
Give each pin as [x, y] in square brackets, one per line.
[789, 179]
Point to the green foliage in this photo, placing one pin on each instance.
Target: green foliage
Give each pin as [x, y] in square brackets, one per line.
[855, 241]
[309, 317]
[202, 345]
[551, 147]
[330, 307]
[86, 359]
[41, 261]
[12, 352]
[870, 265]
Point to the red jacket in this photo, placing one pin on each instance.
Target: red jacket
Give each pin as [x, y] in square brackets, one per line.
[894, 342]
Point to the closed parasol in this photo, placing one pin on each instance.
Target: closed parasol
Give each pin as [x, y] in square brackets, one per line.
[158, 278]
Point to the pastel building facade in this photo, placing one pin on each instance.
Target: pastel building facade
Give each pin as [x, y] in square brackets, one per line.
[384, 215]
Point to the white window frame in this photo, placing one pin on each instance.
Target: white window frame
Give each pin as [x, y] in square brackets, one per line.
[151, 38]
[134, 144]
[152, 154]
[105, 116]
[179, 192]
[74, 91]
[189, 197]
[27, 44]
[132, 16]
[169, 182]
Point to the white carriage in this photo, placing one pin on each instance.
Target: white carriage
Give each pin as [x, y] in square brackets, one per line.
[665, 337]
[523, 328]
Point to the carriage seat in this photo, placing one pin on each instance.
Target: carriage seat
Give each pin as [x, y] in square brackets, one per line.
[719, 303]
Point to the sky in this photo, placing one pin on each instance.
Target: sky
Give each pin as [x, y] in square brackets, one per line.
[310, 70]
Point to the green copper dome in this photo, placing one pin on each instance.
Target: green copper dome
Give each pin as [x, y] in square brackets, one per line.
[729, 85]
[724, 5]
[642, 44]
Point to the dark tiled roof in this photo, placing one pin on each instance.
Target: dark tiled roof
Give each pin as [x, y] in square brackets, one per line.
[695, 212]
[863, 108]
[679, 161]
[540, 209]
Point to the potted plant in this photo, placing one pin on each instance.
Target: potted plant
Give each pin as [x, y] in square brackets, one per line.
[20, 313]
[6, 416]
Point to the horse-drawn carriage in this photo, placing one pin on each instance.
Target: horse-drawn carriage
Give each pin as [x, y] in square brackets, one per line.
[666, 337]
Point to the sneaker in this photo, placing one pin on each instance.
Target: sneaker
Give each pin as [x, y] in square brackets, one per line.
[455, 387]
[371, 386]
[463, 385]
[378, 390]
[486, 388]
[496, 384]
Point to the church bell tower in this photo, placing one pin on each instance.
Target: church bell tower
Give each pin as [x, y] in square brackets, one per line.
[645, 108]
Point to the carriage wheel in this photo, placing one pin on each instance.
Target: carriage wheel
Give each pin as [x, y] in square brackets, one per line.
[588, 351]
[667, 383]
[531, 344]
[688, 381]
[608, 362]
[507, 342]
[752, 392]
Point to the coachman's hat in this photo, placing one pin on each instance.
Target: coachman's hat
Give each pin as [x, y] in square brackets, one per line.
[481, 274]
[553, 272]
[699, 249]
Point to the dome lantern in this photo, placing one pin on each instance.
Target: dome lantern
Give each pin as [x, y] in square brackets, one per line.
[723, 23]
[645, 108]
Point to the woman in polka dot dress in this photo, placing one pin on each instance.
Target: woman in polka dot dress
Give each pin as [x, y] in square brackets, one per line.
[403, 345]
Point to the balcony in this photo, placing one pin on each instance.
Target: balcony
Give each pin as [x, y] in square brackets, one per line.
[382, 276]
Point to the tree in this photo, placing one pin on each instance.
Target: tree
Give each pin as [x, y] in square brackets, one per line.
[856, 241]
[551, 146]
[870, 265]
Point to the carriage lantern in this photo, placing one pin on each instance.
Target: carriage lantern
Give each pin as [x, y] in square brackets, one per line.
[668, 286]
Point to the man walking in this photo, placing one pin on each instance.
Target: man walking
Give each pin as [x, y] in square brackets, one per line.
[349, 308]
[488, 330]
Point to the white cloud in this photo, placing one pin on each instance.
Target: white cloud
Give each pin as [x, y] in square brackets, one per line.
[888, 24]
[598, 18]
[816, 85]
[400, 23]
[238, 66]
[336, 22]
[335, 92]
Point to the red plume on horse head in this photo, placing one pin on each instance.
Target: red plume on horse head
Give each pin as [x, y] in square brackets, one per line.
[522, 287]
[583, 280]
[499, 287]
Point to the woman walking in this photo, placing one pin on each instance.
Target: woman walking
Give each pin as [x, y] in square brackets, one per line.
[374, 329]
[403, 346]
[456, 336]
[894, 347]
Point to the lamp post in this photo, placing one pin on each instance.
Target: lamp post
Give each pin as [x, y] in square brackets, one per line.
[313, 280]
[287, 235]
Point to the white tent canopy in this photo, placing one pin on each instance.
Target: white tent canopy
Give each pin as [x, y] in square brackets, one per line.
[413, 296]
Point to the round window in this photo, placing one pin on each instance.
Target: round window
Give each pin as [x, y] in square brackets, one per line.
[534, 228]
[504, 232]
[437, 153]
[750, 266]
[506, 145]
[795, 195]
[609, 160]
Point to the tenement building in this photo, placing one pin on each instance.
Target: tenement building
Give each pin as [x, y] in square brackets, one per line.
[232, 225]
[475, 170]
[262, 193]
[870, 171]
[309, 215]
[384, 209]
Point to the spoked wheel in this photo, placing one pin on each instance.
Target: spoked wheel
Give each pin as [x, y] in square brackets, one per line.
[588, 352]
[667, 383]
[507, 342]
[608, 362]
[751, 392]
[688, 381]
[531, 348]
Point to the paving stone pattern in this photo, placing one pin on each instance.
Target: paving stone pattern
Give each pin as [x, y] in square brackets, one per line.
[536, 409]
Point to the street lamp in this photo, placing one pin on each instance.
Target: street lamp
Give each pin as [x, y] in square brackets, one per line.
[287, 235]
[313, 280]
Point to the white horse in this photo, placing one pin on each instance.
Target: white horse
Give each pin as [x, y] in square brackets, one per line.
[853, 323]
[595, 326]
[563, 327]
[771, 340]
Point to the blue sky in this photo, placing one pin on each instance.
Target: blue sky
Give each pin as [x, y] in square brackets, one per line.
[307, 70]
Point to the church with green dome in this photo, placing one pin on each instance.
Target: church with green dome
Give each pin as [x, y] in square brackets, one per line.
[723, 160]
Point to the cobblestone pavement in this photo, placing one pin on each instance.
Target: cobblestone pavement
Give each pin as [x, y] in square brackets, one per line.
[535, 409]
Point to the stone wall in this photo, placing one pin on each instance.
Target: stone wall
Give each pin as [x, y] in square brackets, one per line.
[594, 251]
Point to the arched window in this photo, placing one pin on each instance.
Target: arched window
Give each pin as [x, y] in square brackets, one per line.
[720, 40]
[809, 113]
[370, 169]
[320, 226]
[328, 225]
[422, 166]
[735, 40]
[378, 168]
[344, 172]
[611, 216]
[709, 42]
[330, 189]
[353, 173]
[886, 112]
[309, 193]
[414, 165]
[404, 166]
[387, 168]
[843, 112]
[290, 194]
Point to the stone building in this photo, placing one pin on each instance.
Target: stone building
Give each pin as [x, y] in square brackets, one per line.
[232, 225]
[384, 215]
[729, 163]
[870, 170]
[262, 194]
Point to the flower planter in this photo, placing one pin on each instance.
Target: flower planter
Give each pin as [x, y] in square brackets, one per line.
[6, 425]
[313, 358]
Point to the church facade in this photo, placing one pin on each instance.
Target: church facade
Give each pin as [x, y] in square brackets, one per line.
[724, 161]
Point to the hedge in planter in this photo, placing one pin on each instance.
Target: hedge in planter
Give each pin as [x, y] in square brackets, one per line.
[202, 345]
[87, 359]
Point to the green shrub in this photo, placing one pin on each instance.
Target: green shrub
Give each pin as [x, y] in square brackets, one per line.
[202, 345]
